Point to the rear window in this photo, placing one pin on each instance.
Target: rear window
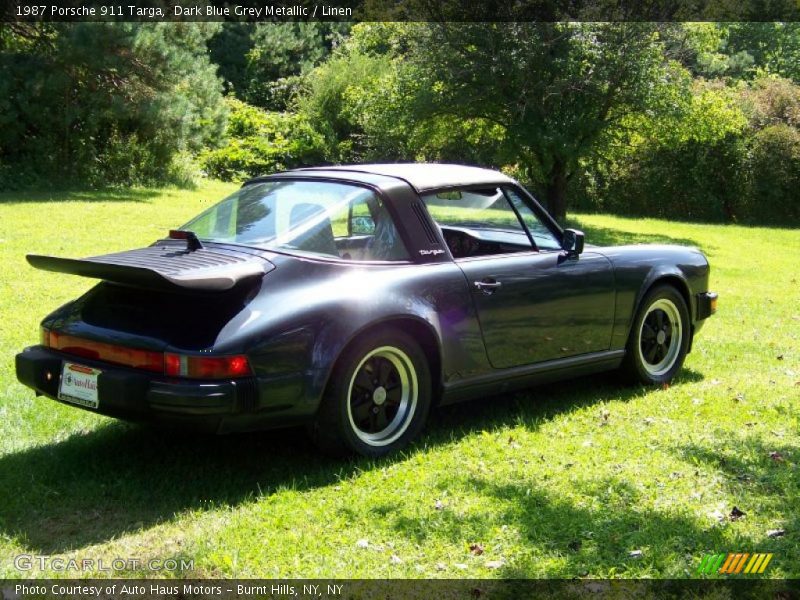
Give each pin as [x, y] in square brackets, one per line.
[331, 220]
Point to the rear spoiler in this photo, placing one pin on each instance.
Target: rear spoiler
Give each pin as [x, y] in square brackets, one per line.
[163, 266]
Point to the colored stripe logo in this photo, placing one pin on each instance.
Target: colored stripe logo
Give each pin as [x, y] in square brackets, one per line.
[734, 563]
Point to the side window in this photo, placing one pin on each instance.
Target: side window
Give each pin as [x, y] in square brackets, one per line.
[477, 222]
[367, 232]
[359, 228]
[541, 234]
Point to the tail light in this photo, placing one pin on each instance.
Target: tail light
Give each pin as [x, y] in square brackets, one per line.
[174, 365]
[148, 360]
[206, 367]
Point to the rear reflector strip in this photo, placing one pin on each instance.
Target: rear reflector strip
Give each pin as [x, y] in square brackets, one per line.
[174, 365]
[119, 355]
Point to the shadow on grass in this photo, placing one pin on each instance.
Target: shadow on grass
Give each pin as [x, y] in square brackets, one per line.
[102, 195]
[95, 486]
[606, 236]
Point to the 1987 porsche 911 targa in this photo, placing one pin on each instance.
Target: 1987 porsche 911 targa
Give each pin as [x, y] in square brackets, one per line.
[354, 298]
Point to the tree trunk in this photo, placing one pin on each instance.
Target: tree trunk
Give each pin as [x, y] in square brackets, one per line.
[557, 191]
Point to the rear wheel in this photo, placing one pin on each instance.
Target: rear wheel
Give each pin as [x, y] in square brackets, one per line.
[378, 397]
[659, 338]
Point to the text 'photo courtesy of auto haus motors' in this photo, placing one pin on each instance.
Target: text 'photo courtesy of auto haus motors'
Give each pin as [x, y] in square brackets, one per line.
[353, 299]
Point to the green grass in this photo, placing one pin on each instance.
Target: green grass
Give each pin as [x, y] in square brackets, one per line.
[561, 481]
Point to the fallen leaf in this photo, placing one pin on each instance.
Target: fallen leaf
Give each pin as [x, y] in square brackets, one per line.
[777, 456]
[665, 386]
[494, 564]
[635, 554]
[395, 560]
[362, 544]
[736, 514]
[476, 549]
[773, 533]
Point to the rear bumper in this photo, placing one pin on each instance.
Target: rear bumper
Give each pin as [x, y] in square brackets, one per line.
[212, 406]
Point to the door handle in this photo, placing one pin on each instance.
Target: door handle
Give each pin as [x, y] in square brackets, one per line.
[488, 286]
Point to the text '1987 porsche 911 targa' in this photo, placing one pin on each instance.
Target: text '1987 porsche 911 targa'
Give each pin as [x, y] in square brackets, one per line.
[352, 299]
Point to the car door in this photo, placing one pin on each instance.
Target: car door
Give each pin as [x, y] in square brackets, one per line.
[534, 302]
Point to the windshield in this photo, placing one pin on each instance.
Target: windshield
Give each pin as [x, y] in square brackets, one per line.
[334, 220]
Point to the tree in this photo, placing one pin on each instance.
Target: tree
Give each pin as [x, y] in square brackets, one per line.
[229, 49]
[280, 52]
[552, 88]
[106, 103]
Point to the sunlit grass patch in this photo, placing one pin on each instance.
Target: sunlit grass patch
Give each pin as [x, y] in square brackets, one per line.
[582, 478]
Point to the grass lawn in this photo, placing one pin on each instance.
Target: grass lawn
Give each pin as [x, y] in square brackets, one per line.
[584, 478]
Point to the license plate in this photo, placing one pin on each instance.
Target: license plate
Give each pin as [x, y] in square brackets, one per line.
[79, 385]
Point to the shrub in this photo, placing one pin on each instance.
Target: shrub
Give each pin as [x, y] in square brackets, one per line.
[688, 166]
[774, 191]
[693, 180]
[261, 142]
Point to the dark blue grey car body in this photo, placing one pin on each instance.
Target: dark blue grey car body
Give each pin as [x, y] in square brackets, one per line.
[558, 314]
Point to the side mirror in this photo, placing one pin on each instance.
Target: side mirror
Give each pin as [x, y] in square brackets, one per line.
[572, 242]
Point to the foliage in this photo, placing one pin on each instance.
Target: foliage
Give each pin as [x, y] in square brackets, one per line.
[686, 165]
[771, 101]
[334, 95]
[730, 155]
[535, 95]
[262, 64]
[105, 103]
[737, 51]
[774, 192]
[229, 49]
[261, 142]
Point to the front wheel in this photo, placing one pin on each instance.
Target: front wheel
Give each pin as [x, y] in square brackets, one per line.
[378, 397]
[659, 338]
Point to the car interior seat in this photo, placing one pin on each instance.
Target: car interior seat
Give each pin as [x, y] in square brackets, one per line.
[315, 229]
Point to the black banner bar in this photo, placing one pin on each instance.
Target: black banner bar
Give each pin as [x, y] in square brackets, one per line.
[399, 10]
[401, 589]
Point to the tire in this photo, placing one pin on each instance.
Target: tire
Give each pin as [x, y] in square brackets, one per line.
[378, 397]
[659, 338]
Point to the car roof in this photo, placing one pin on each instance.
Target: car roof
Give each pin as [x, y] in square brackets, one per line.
[421, 176]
